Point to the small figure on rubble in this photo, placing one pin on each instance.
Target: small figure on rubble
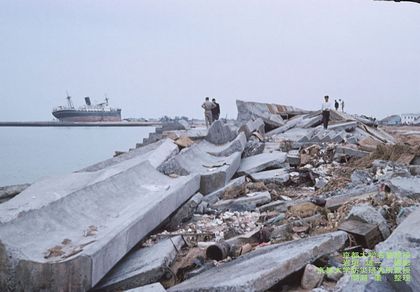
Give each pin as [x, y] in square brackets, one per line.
[336, 105]
[216, 110]
[208, 106]
[342, 105]
[326, 107]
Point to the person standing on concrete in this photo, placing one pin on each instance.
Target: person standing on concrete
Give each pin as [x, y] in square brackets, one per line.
[216, 110]
[208, 106]
[342, 105]
[336, 105]
[326, 107]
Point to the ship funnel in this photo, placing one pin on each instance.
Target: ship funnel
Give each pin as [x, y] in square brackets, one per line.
[87, 100]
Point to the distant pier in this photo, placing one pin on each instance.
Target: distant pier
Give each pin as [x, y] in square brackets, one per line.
[80, 124]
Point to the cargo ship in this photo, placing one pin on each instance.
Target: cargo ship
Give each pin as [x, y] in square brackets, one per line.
[100, 112]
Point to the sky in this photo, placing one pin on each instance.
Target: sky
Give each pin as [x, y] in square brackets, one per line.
[155, 58]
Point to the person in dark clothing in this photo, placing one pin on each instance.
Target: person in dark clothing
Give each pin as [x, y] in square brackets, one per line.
[216, 110]
[336, 105]
[326, 107]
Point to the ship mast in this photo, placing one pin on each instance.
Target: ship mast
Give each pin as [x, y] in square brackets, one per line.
[69, 102]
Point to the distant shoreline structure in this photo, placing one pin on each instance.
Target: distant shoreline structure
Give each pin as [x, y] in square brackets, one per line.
[100, 112]
[79, 124]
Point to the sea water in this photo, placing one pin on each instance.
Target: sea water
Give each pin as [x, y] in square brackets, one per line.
[30, 153]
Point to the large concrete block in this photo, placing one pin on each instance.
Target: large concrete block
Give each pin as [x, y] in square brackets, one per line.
[276, 176]
[247, 203]
[368, 214]
[143, 266]
[215, 171]
[155, 153]
[251, 126]
[406, 186]
[236, 145]
[265, 267]
[66, 233]
[220, 133]
[235, 185]
[262, 162]
[405, 239]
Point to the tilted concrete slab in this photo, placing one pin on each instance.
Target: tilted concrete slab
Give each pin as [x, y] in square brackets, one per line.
[247, 203]
[220, 133]
[156, 153]
[143, 266]
[236, 184]
[236, 145]
[406, 186]
[405, 239]
[276, 176]
[215, 171]
[67, 233]
[262, 162]
[265, 267]
[155, 287]
[251, 126]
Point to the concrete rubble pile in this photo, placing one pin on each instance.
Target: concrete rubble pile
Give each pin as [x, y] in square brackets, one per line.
[270, 202]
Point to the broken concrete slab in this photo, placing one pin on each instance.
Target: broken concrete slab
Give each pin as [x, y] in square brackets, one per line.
[346, 126]
[368, 214]
[343, 152]
[68, 232]
[276, 176]
[262, 162]
[263, 268]
[215, 172]
[236, 145]
[252, 148]
[236, 185]
[155, 153]
[155, 287]
[220, 133]
[365, 234]
[406, 186]
[184, 213]
[143, 266]
[8, 192]
[248, 203]
[269, 113]
[406, 240]
[346, 284]
[251, 126]
[346, 195]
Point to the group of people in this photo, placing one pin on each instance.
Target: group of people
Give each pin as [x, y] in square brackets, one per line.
[211, 111]
[339, 103]
[326, 107]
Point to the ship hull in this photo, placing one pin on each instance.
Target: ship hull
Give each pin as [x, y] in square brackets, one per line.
[87, 116]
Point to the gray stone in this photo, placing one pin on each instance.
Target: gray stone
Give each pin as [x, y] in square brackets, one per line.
[252, 148]
[184, 124]
[220, 133]
[262, 162]
[248, 203]
[143, 266]
[252, 126]
[184, 213]
[334, 275]
[67, 232]
[405, 238]
[236, 184]
[155, 153]
[215, 172]
[368, 214]
[8, 192]
[155, 287]
[276, 176]
[342, 152]
[406, 186]
[347, 126]
[227, 149]
[263, 268]
[312, 277]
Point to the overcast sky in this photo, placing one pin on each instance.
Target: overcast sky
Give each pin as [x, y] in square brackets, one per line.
[155, 58]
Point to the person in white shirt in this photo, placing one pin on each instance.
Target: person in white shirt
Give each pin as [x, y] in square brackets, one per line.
[326, 107]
